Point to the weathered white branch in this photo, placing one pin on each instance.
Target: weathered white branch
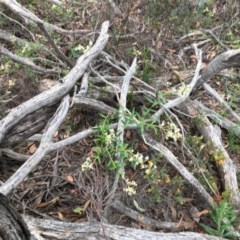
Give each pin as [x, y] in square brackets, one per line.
[123, 98]
[168, 155]
[223, 162]
[31, 17]
[146, 221]
[42, 150]
[175, 102]
[84, 84]
[99, 231]
[89, 103]
[27, 62]
[12, 38]
[226, 167]
[120, 128]
[56, 2]
[215, 94]
[230, 126]
[225, 60]
[61, 89]
[14, 155]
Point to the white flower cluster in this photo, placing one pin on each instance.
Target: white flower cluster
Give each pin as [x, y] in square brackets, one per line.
[83, 49]
[138, 159]
[88, 164]
[136, 52]
[150, 167]
[171, 130]
[183, 90]
[11, 82]
[143, 162]
[130, 188]
[110, 137]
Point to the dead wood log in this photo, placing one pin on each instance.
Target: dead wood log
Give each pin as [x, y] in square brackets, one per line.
[12, 226]
[146, 221]
[183, 171]
[55, 94]
[223, 161]
[230, 58]
[50, 229]
[27, 127]
[44, 148]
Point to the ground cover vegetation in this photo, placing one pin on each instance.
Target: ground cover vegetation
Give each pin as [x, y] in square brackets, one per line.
[120, 119]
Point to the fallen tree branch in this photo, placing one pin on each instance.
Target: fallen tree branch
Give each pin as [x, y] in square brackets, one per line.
[175, 102]
[49, 229]
[223, 161]
[89, 103]
[56, 2]
[23, 12]
[215, 94]
[55, 94]
[12, 226]
[42, 150]
[12, 38]
[27, 62]
[14, 155]
[31, 124]
[168, 155]
[230, 126]
[141, 218]
[225, 60]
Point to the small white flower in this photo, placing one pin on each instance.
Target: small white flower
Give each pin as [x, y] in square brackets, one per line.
[183, 90]
[130, 189]
[88, 46]
[88, 164]
[171, 131]
[110, 137]
[137, 159]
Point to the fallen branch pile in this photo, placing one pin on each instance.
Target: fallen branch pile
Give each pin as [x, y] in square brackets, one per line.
[99, 92]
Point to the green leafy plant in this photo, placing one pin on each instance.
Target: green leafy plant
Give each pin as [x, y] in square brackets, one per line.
[107, 145]
[109, 150]
[80, 49]
[29, 50]
[223, 217]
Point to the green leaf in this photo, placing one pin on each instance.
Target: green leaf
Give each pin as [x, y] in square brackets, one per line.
[114, 165]
[78, 210]
[209, 230]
